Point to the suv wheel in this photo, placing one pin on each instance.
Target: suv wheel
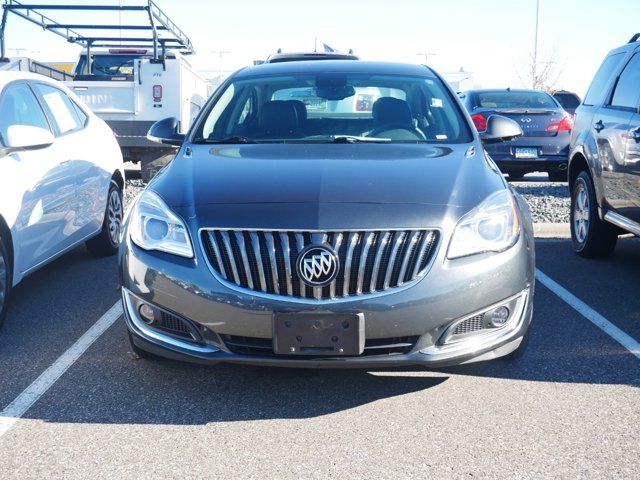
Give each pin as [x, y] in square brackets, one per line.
[591, 236]
[5, 281]
[106, 242]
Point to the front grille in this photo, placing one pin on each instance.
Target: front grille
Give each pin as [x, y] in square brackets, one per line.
[470, 325]
[370, 261]
[264, 346]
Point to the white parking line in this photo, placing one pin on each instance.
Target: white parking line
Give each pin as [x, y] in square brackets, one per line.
[590, 314]
[23, 402]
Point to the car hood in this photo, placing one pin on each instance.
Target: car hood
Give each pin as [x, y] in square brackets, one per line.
[326, 186]
[324, 174]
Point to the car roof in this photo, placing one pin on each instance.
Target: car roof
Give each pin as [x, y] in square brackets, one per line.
[336, 66]
[12, 76]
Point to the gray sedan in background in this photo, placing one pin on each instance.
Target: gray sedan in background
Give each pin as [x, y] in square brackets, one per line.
[330, 214]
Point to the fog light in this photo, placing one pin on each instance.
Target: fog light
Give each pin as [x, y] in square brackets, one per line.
[498, 316]
[147, 313]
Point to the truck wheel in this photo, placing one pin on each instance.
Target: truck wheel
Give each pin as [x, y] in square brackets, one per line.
[151, 164]
[516, 175]
[5, 281]
[591, 237]
[106, 242]
[558, 176]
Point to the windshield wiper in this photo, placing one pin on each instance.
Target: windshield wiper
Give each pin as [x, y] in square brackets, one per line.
[232, 139]
[357, 139]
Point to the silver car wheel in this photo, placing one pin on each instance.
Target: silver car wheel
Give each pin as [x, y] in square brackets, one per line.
[114, 216]
[581, 212]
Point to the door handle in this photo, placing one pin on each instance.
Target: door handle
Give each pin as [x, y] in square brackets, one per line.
[599, 126]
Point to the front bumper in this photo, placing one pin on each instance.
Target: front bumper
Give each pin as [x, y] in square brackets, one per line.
[451, 290]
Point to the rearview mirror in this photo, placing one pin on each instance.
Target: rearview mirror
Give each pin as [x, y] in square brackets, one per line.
[166, 132]
[26, 137]
[500, 129]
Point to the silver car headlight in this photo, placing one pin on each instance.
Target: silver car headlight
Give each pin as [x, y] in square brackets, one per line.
[153, 226]
[492, 226]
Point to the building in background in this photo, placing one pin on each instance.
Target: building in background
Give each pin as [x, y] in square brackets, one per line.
[460, 80]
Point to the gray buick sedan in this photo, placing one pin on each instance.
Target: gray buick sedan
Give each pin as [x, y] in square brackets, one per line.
[330, 214]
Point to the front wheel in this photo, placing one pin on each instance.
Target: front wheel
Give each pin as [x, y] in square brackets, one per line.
[5, 281]
[591, 237]
[106, 242]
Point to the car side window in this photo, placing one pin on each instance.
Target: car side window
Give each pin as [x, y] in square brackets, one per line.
[19, 106]
[62, 110]
[597, 92]
[627, 90]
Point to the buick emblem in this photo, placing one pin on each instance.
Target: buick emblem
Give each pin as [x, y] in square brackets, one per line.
[317, 265]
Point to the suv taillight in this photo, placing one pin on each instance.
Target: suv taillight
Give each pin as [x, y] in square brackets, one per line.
[480, 121]
[564, 125]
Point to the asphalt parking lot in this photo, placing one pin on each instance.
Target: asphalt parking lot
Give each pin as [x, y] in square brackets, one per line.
[568, 408]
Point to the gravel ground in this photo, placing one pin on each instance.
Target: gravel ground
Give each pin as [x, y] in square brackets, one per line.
[549, 202]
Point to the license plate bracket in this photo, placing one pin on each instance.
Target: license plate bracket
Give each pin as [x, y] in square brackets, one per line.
[316, 334]
[526, 152]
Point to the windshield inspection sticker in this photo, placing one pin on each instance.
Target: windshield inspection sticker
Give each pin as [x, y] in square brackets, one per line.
[436, 102]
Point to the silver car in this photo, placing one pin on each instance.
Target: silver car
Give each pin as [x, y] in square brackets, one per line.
[291, 232]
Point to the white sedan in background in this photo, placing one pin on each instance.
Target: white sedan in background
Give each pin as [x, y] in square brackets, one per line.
[61, 178]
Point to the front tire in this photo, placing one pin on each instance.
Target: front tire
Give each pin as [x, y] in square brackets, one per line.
[5, 281]
[591, 237]
[106, 242]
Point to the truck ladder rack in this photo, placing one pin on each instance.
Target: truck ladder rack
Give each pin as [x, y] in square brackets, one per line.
[165, 34]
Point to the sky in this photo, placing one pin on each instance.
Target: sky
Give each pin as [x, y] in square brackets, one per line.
[493, 39]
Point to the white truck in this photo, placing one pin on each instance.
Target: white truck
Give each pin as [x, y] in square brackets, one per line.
[130, 81]
[130, 91]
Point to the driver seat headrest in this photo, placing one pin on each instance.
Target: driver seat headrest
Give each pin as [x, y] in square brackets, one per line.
[388, 110]
[277, 117]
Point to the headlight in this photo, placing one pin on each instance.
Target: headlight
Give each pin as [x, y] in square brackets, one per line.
[493, 226]
[154, 226]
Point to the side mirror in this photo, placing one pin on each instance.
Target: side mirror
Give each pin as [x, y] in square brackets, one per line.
[25, 137]
[166, 132]
[500, 129]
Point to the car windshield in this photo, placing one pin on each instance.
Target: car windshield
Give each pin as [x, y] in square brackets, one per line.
[515, 99]
[325, 107]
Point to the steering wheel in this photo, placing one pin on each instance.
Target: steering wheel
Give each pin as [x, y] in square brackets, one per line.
[397, 126]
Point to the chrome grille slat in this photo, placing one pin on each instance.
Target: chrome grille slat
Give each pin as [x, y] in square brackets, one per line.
[245, 260]
[227, 245]
[337, 243]
[271, 247]
[255, 244]
[371, 261]
[413, 238]
[300, 247]
[352, 241]
[397, 243]
[382, 244]
[366, 245]
[284, 240]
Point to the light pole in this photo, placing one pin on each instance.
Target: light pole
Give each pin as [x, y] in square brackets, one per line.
[426, 56]
[535, 46]
[220, 53]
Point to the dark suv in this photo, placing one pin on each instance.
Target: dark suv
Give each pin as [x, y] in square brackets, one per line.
[604, 167]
